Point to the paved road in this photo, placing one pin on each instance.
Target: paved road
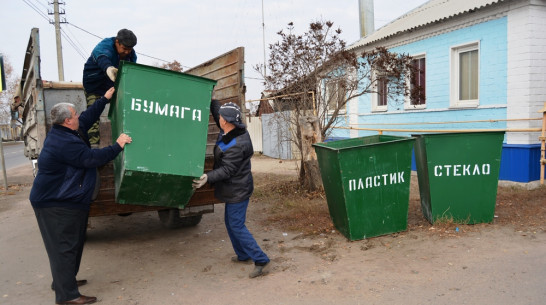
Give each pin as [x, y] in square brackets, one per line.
[13, 155]
[135, 260]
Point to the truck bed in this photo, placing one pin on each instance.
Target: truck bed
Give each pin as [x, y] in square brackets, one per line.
[39, 96]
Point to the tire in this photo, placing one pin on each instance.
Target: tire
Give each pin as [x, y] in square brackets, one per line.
[172, 220]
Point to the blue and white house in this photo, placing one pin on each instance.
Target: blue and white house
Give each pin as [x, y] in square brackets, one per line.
[481, 61]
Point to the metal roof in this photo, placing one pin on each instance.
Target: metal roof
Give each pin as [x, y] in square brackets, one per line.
[429, 12]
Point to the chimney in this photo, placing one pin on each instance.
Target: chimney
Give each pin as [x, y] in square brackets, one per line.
[366, 17]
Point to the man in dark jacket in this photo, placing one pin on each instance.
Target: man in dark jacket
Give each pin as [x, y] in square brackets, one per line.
[100, 70]
[233, 184]
[62, 192]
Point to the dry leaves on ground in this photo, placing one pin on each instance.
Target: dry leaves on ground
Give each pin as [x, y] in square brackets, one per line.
[289, 207]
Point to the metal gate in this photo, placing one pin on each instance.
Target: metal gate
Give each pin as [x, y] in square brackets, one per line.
[277, 137]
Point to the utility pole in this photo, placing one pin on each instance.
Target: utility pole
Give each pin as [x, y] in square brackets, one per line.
[3, 83]
[263, 34]
[57, 21]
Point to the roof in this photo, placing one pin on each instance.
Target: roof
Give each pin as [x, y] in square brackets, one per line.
[429, 12]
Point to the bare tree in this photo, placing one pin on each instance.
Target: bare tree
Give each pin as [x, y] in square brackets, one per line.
[173, 66]
[314, 74]
[6, 96]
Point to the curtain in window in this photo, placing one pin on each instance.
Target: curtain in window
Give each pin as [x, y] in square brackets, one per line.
[336, 94]
[468, 75]
[382, 91]
[419, 80]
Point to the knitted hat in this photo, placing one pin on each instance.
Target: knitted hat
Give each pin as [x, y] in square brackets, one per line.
[232, 114]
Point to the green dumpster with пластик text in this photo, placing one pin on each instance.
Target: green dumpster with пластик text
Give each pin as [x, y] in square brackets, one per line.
[366, 181]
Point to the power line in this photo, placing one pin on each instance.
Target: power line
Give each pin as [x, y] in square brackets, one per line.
[43, 5]
[32, 6]
[83, 30]
[71, 42]
[70, 23]
[80, 51]
[140, 54]
[77, 41]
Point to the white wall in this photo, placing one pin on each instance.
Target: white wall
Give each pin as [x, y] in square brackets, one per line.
[254, 127]
[526, 67]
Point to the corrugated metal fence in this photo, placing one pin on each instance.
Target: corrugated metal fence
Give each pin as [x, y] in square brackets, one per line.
[276, 135]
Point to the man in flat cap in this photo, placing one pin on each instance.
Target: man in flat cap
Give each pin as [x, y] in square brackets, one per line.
[100, 70]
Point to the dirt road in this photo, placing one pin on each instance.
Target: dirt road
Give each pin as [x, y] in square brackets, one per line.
[134, 260]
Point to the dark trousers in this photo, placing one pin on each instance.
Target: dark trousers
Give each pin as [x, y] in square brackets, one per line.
[243, 242]
[63, 233]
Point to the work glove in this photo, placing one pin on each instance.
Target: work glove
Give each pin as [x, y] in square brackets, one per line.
[112, 73]
[197, 183]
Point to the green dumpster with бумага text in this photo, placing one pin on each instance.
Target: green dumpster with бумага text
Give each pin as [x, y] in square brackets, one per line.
[167, 115]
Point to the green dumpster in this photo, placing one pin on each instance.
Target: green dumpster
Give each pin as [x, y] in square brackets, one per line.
[167, 115]
[458, 175]
[366, 181]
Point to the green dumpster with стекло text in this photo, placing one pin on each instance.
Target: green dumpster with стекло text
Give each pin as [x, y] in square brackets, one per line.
[167, 115]
[458, 175]
[366, 181]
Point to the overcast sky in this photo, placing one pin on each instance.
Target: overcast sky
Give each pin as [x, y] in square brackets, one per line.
[190, 32]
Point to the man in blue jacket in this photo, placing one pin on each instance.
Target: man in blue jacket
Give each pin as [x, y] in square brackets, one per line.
[62, 192]
[100, 70]
[233, 183]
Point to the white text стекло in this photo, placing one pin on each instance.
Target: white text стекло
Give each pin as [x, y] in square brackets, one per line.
[456, 170]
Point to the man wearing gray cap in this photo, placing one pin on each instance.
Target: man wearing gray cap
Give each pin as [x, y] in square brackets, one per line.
[233, 183]
[100, 70]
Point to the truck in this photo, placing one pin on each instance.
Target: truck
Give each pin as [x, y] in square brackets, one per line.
[38, 96]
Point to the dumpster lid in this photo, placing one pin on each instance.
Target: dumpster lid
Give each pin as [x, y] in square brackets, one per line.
[456, 133]
[361, 141]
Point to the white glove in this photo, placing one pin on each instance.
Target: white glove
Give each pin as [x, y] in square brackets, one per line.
[112, 73]
[197, 183]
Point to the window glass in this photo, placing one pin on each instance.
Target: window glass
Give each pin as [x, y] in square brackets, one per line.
[336, 93]
[382, 91]
[465, 75]
[468, 75]
[418, 82]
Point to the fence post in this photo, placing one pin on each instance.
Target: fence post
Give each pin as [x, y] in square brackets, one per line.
[3, 162]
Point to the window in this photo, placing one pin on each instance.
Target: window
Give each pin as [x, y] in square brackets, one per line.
[465, 68]
[416, 82]
[335, 94]
[381, 92]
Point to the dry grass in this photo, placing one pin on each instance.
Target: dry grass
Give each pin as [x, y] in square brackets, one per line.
[288, 207]
[524, 209]
[291, 208]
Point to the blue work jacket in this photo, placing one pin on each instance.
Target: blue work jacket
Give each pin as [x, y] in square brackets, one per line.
[67, 166]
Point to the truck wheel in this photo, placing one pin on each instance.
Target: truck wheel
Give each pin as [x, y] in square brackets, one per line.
[172, 220]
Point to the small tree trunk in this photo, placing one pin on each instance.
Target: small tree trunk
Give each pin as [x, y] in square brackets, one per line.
[310, 134]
